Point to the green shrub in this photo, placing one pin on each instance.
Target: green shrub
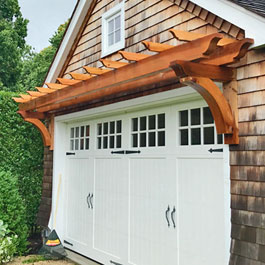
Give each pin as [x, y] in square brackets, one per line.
[21, 153]
[8, 245]
[12, 209]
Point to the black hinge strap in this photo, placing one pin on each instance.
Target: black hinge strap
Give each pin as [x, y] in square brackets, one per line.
[215, 150]
[68, 243]
[128, 152]
[118, 152]
[115, 263]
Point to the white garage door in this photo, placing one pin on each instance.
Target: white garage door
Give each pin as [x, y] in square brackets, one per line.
[143, 188]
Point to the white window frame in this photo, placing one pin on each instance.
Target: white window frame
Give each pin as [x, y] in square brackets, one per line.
[105, 49]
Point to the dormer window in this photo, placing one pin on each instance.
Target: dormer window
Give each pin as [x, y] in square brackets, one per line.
[113, 38]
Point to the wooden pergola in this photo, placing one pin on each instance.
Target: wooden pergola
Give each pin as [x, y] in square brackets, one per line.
[198, 63]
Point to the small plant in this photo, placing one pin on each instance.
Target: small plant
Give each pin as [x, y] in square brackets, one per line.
[12, 210]
[34, 259]
[7, 244]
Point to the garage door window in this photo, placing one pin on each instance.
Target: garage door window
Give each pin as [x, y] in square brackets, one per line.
[79, 138]
[109, 135]
[148, 131]
[197, 127]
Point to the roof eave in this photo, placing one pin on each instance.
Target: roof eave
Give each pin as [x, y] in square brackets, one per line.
[252, 23]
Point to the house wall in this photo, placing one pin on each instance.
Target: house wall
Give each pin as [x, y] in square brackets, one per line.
[248, 165]
[46, 196]
[150, 20]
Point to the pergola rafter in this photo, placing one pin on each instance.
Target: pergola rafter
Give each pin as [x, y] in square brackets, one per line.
[197, 63]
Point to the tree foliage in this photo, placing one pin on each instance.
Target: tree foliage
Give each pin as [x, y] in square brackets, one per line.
[36, 65]
[13, 30]
[21, 153]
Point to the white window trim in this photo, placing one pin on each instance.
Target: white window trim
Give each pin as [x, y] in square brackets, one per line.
[105, 50]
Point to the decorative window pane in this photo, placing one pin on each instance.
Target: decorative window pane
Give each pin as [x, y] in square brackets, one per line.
[184, 137]
[149, 132]
[111, 25]
[111, 137]
[143, 123]
[152, 122]
[118, 22]
[195, 116]
[183, 118]
[78, 137]
[207, 116]
[143, 139]
[82, 131]
[196, 127]
[161, 121]
[208, 135]
[196, 136]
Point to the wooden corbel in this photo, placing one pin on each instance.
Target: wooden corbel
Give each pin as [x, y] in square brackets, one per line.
[224, 119]
[34, 118]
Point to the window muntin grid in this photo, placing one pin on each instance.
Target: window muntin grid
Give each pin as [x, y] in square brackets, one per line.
[109, 135]
[114, 29]
[79, 138]
[148, 131]
[196, 127]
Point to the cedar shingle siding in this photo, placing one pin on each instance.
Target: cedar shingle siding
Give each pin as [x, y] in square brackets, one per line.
[248, 165]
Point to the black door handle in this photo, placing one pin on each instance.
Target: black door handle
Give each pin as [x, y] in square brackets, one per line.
[167, 211]
[172, 217]
[87, 200]
[91, 200]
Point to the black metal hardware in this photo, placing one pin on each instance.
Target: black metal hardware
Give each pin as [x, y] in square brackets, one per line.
[70, 154]
[68, 243]
[91, 200]
[128, 152]
[167, 211]
[118, 152]
[215, 150]
[172, 217]
[87, 200]
[113, 262]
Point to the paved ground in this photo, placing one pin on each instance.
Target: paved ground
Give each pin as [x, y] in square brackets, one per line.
[19, 261]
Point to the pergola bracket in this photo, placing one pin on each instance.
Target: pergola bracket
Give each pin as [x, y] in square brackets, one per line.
[34, 118]
[221, 110]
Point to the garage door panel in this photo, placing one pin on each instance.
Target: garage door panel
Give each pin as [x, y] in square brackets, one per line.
[111, 207]
[201, 210]
[151, 240]
[77, 191]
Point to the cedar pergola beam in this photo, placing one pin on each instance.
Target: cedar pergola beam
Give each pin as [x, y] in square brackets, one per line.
[128, 73]
[131, 56]
[216, 73]
[96, 71]
[82, 77]
[190, 36]
[32, 115]
[36, 94]
[112, 64]
[45, 90]
[56, 86]
[156, 47]
[68, 82]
